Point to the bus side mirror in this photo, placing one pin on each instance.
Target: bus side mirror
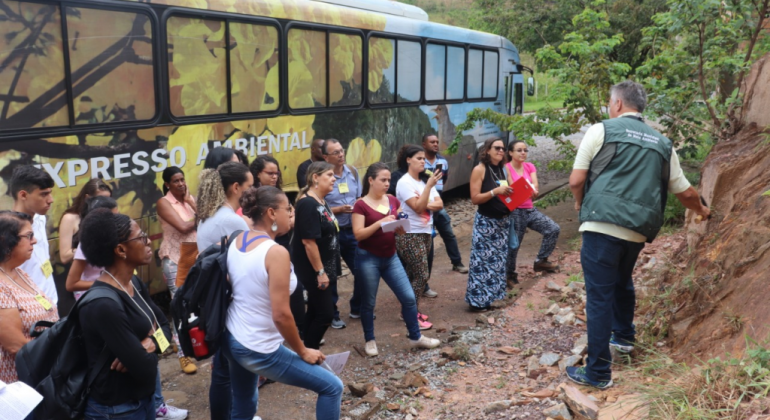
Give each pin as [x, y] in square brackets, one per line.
[530, 86]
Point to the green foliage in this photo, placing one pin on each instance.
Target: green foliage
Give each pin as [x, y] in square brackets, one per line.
[673, 215]
[700, 53]
[585, 71]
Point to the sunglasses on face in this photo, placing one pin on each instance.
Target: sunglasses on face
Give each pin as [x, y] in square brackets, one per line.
[522, 150]
[498, 148]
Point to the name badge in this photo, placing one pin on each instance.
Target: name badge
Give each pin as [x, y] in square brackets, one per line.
[429, 172]
[503, 183]
[46, 268]
[343, 187]
[43, 302]
[336, 223]
[160, 338]
[382, 209]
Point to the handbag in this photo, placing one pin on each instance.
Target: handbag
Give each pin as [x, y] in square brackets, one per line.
[188, 253]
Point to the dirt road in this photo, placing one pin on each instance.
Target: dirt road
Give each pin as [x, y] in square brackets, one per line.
[447, 312]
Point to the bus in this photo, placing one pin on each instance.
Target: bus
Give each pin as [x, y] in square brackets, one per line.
[122, 89]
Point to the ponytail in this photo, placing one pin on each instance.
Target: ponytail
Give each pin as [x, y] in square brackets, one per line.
[372, 172]
[315, 168]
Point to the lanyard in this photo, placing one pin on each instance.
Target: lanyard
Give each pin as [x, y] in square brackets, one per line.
[135, 303]
[494, 175]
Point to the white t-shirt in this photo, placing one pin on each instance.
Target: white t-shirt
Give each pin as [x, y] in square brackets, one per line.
[250, 314]
[407, 188]
[41, 257]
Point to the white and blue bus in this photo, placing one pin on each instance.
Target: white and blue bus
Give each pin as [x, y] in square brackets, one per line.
[122, 89]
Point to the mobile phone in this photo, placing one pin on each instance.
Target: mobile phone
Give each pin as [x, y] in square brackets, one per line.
[440, 167]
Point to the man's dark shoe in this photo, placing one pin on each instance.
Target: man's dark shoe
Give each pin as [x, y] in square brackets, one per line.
[460, 268]
[545, 265]
[578, 375]
[622, 346]
[512, 280]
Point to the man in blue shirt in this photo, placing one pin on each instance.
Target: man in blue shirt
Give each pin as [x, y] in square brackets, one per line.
[347, 189]
[441, 221]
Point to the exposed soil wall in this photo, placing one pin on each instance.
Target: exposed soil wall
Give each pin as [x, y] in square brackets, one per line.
[724, 291]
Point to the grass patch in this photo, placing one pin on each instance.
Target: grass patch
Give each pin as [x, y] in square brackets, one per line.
[729, 388]
[575, 278]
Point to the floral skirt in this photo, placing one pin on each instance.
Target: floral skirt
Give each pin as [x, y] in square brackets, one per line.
[489, 254]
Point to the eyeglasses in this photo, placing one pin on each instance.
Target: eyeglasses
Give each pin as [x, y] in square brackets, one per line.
[142, 236]
[29, 236]
[271, 174]
[498, 148]
[336, 152]
[522, 150]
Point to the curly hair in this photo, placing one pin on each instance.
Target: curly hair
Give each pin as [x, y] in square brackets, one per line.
[407, 151]
[256, 201]
[258, 165]
[10, 227]
[212, 191]
[211, 195]
[91, 188]
[315, 168]
[372, 172]
[100, 233]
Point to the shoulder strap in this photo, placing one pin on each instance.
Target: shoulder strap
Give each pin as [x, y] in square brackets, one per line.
[103, 358]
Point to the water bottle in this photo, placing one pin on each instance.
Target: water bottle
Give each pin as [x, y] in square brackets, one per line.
[198, 338]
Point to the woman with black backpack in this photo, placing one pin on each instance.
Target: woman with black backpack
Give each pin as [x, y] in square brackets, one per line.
[131, 335]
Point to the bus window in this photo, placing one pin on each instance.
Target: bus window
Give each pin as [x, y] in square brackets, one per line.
[435, 67]
[475, 73]
[254, 67]
[490, 74]
[382, 70]
[345, 69]
[19, 95]
[455, 73]
[307, 68]
[409, 69]
[197, 67]
[127, 91]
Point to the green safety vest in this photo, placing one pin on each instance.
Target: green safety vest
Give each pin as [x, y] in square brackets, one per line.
[627, 183]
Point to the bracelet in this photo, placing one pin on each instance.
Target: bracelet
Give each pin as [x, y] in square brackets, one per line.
[491, 193]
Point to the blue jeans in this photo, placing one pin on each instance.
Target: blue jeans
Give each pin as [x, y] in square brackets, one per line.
[284, 366]
[443, 225]
[608, 263]
[220, 391]
[369, 270]
[143, 409]
[348, 247]
[157, 398]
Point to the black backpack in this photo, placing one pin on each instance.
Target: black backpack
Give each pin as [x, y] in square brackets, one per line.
[56, 365]
[204, 297]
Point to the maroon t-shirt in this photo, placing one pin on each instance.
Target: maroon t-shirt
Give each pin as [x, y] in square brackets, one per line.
[380, 243]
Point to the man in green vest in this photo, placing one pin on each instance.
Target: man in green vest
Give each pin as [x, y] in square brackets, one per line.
[623, 172]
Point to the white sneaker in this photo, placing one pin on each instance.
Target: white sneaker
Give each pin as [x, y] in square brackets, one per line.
[425, 342]
[430, 293]
[371, 348]
[169, 412]
[257, 418]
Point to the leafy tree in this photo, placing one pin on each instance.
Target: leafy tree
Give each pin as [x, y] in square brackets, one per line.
[584, 67]
[700, 54]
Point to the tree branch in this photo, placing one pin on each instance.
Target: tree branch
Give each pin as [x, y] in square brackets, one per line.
[702, 77]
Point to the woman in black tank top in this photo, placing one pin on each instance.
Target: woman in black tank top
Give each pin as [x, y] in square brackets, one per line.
[486, 279]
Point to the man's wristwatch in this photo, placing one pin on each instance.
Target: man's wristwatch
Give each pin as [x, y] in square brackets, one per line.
[320, 272]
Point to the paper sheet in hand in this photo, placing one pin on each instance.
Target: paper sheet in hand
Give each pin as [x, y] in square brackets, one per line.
[336, 362]
[391, 226]
[17, 400]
